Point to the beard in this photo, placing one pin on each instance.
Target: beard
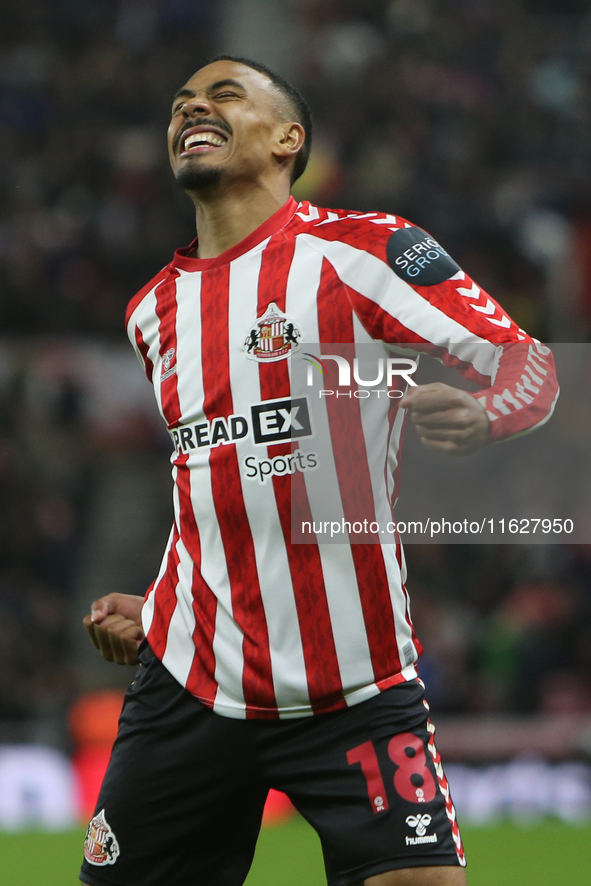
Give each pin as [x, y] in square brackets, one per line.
[195, 178]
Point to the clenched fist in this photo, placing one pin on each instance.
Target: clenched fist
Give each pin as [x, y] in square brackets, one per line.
[115, 628]
[447, 419]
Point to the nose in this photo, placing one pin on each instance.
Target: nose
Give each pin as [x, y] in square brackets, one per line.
[199, 104]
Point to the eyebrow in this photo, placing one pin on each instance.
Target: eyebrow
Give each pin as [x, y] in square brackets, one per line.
[185, 92]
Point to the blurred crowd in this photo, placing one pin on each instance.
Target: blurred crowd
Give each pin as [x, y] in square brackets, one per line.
[69, 410]
[470, 117]
[43, 493]
[473, 119]
[506, 628]
[88, 211]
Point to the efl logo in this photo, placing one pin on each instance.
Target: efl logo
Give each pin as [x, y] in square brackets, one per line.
[277, 420]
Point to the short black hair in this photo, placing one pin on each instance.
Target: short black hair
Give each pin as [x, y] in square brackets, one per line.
[295, 100]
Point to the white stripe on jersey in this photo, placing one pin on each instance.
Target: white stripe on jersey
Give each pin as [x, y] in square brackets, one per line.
[285, 644]
[180, 648]
[146, 320]
[188, 335]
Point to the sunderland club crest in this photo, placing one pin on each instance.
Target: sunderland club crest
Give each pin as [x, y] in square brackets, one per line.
[100, 846]
[272, 337]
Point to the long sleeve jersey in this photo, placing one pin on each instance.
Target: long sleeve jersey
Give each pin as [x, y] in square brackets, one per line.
[251, 623]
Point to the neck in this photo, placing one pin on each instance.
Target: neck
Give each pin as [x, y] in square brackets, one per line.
[223, 220]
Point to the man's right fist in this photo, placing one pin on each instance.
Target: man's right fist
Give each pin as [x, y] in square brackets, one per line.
[115, 628]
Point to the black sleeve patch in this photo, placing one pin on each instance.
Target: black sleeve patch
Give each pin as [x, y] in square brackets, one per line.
[419, 259]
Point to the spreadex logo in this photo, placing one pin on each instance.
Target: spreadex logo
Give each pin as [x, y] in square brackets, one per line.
[385, 370]
[272, 421]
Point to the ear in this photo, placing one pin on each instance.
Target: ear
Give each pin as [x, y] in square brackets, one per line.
[290, 138]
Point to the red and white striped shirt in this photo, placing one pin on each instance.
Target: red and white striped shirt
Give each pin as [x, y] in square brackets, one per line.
[251, 623]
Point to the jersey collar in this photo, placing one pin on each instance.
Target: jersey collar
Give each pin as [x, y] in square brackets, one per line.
[274, 223]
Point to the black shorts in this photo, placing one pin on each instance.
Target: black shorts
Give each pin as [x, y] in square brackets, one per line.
[182, 800]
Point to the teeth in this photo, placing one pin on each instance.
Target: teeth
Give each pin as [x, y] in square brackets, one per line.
[199, 138]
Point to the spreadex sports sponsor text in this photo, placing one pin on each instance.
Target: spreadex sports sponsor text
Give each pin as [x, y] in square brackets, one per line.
[269, 422]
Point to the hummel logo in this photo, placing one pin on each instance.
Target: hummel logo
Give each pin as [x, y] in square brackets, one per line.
[167, 366]
[420, 823]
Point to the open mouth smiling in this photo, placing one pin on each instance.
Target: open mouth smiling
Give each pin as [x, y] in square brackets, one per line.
[201, 140]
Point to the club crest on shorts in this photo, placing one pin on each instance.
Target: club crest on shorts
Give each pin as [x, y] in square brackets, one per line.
[274, 336]
[100, 846]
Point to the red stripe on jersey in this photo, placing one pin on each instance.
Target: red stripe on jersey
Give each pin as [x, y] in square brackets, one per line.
[143, 349]
[200, 681]
[166, 309]
[324, 680]
[324, 684]
[140, 296]
[247, 604]
[164, 601]
[356, 492]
